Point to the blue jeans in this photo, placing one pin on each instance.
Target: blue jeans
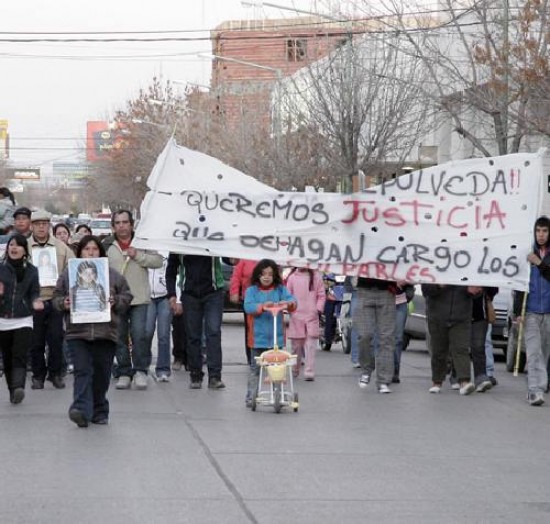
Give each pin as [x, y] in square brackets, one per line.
[205, 311]
[354, 354]
[92, 372]
[133, 322]
[159, 316]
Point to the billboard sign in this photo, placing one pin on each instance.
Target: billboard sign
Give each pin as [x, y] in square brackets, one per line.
[24, 173]
[4, 139]
[102, 138]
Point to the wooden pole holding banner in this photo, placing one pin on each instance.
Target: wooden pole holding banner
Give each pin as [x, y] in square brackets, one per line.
[520, 334]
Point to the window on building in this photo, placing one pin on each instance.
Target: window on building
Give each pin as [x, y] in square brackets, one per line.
[296, 49]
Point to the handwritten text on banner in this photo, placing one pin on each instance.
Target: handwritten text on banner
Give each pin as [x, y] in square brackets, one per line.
[467, 222]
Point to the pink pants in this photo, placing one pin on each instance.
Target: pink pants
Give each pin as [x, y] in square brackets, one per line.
[305, 347]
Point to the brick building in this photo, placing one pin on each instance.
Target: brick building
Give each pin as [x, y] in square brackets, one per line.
[241, 94]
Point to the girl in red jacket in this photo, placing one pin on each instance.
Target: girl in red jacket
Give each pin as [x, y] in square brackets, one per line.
[303, 330]
[239, 283]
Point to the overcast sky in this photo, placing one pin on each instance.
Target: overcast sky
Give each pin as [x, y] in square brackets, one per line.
[46, 97]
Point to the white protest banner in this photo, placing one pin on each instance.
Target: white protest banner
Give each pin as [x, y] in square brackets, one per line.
[467, 222]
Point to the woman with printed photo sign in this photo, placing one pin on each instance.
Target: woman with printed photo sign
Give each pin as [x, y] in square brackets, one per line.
[93, 297]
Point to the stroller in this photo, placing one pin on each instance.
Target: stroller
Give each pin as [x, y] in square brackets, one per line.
[275, 382]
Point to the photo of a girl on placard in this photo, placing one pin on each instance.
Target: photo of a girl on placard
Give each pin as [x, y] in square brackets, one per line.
[45, 260]
[88, 284]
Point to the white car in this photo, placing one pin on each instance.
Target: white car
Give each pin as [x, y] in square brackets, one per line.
[100, 228]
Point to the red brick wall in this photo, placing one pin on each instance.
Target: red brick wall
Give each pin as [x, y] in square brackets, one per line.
[239, 89]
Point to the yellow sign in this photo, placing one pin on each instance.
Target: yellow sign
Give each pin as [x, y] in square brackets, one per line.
[3, 129]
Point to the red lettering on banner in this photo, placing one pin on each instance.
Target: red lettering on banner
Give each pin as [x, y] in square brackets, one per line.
[369, 212]
[451, 216]
[495, 213]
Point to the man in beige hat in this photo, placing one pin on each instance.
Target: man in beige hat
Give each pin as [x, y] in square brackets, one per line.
[48, 323]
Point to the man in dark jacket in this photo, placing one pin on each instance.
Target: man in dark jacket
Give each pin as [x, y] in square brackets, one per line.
[449, 313]
[202, 292]
[537, 314]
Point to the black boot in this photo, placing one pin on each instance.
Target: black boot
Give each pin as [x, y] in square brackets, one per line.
[17, 386]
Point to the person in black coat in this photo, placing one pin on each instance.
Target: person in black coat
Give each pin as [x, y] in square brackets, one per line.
[19, 297]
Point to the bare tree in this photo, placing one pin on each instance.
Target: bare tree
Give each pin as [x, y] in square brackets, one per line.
[363, 98]
[487, 63]
[142, 130]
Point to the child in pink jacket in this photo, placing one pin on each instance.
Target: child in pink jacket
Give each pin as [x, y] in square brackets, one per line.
[306, 285]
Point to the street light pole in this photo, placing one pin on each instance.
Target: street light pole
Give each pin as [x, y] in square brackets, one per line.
[260, 3]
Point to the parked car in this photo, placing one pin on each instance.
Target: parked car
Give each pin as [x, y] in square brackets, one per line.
[100, 228]
[416, 326]
[503, 307]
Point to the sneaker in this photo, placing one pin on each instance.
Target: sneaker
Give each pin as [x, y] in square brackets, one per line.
[455, 386]
[535, 399]
[355, 365]
[327, 347]
[100, 421]
[383, 388]
[309, 379]
[37, 383]
[486, 385]
[70, 369]
[195, 384]
[364, 380]
[140, 380]
[177, 365]
[78, 418]
[494, 381]
[436, 388]
[123, 382]
[467, 388]
[215, 383]
[396, 380]
[163, 377]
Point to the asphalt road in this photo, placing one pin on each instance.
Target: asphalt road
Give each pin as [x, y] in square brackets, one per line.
[173, 455]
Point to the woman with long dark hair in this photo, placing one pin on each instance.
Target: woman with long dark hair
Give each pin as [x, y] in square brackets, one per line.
[19, 297]
[92, 345]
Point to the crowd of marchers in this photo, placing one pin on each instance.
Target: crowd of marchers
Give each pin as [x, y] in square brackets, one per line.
[181, 298]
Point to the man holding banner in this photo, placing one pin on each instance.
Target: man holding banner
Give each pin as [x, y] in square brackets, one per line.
[202, 292]
[375, 313]
[535, 314]
[449, 312]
